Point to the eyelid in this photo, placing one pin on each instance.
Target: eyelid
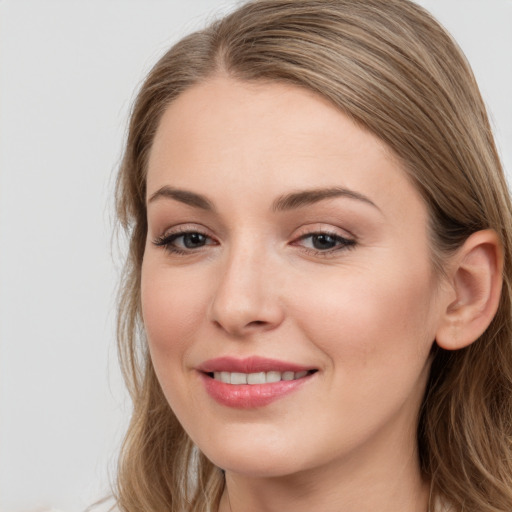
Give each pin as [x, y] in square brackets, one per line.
[166, 240]
[347, 241]
[340, 239]
[185, 228]
[323, 228]
[344, 242]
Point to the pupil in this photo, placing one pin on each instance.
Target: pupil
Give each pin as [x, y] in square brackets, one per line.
[323, 242]
[192, 240]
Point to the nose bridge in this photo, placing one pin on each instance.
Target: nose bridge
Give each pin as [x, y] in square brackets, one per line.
[245, 298]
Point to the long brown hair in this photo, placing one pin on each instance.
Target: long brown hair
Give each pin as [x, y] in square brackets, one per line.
[395, 71]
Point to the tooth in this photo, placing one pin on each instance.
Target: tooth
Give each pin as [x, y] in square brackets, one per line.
[256, 378]
[273, 376]
[238, 378]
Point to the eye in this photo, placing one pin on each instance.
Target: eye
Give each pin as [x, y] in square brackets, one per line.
[191, 240]
[184, 242]
[324, 242]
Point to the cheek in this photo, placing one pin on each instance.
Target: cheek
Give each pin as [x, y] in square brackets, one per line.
[376, 332]
[371, 320]
[170, 309]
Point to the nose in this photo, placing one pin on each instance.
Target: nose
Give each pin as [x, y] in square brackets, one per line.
[247, 298]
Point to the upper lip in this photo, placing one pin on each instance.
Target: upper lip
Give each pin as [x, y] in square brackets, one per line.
[252, 364]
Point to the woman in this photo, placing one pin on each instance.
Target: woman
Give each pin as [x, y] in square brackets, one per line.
[316, 310]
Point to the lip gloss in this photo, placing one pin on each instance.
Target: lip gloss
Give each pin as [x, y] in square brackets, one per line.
[248, 396]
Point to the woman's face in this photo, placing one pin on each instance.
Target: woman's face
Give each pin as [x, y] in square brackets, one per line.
[288, 297]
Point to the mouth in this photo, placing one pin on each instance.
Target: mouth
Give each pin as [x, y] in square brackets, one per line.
[252, 382]
[251, 379]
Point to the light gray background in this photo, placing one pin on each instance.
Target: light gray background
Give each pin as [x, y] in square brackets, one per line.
[68, 72]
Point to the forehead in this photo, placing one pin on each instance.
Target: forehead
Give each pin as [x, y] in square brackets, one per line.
[269, 137]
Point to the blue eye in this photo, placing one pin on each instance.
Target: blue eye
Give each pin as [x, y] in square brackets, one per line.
[325, 242]
[188, 242]
[183, 242]
[192, 240]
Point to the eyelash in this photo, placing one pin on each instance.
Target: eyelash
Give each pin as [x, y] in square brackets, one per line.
[343, 243]
[166, 242]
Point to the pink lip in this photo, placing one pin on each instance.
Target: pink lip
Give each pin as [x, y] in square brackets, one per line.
[249, 396]
[249, 365]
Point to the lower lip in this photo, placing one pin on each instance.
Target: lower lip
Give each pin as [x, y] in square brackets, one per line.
[250, 396]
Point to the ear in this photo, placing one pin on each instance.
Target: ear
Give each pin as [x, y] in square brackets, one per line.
[475, 279]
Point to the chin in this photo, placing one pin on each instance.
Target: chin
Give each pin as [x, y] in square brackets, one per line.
[257, 466]
[265, 459]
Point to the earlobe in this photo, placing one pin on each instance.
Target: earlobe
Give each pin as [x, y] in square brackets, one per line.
[475, 277]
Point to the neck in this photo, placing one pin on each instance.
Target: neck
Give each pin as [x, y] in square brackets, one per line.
[364, 482]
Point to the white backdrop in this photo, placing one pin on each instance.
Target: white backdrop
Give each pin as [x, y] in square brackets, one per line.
[68, 72]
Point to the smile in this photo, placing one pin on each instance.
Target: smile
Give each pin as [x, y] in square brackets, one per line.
[237, 378]
[252, 382]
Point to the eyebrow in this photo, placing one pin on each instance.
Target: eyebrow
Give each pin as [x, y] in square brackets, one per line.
[286, 202]
[183, 196]
[306, 197]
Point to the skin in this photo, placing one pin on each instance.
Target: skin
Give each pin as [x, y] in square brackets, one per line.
[365, 315]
